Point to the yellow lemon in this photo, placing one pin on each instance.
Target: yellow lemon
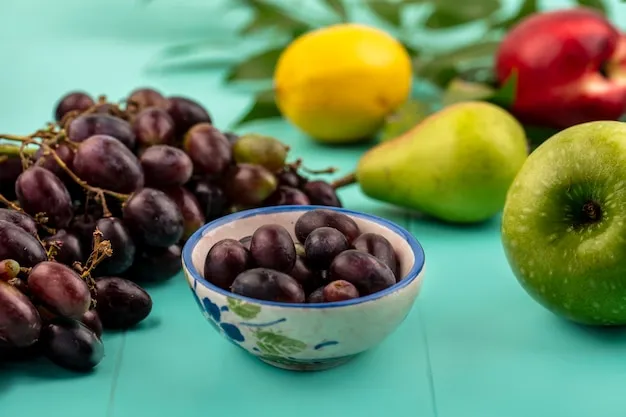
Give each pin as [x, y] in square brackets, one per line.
[338, 83]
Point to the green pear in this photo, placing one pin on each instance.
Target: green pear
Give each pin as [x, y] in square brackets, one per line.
[456, 165]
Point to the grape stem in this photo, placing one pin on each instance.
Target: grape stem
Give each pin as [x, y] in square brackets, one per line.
[101, 250]
[343, 181]
[298, 165]
[10, 204]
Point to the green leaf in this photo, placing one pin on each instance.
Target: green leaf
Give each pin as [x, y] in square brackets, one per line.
[450, 13]
[403, 119]
[277, 344]
[594, 4]
[504, 96]
[242, 309]
[268, 16]
[256, 67]
[338, 7]
[264, 107]
[527, 8]
[387, 10]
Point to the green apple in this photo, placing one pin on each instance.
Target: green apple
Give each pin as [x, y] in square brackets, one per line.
[564, 224]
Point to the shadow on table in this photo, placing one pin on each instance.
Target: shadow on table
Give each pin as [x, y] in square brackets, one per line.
[390, 211]
[606, 335]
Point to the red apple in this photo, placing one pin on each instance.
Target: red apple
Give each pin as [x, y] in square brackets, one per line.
[571, 68]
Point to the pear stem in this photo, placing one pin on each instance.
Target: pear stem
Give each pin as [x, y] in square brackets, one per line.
[342, 182]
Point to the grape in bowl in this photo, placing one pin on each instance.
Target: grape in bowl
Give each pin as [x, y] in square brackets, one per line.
[295, 332]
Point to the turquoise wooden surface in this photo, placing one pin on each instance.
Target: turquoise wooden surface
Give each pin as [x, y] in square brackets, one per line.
[474, 345]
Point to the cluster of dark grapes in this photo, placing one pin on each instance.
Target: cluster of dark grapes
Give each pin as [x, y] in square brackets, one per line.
[330, 260]
[143, 175]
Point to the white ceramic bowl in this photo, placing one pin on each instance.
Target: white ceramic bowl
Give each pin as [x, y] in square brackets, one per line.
[303, 336]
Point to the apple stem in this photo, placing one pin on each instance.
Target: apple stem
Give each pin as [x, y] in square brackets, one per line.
[342, 182]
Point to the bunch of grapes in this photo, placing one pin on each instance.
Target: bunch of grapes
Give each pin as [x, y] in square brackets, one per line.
[102, 200]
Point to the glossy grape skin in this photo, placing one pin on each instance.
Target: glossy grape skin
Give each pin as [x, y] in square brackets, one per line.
[246, 241]
[321, 193]
[88, 125]
[121, 304]
[379, 247]
[19, 219]
[122, 245]
[9, 269]
[153, 219]
[211, 198]
[47, 161]
[147, 97]
[60, 288]
[316, 297]
[272, 247]
[284, 196]
[306, 277]
[313, 219]
[260, 150]
[20, 322]
[186, 113]
[209, 150]
[91, 319]
[268, 284]
[226, 259]
[75, 100]
[248, 185]
[193, 217]
[70, 249]
[10, 169]
[40, 191]
[165, 166]
[105, 162]
[153, 265]
[72, 345]
[339, 291]
[368, 274]
[322, 245]
[154, 126]
[19, 245]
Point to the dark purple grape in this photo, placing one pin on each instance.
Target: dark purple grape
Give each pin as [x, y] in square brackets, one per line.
[226, 259]
[268, 284]
[209, 149]
[289, 176]
[10, 169]
[193, 216]
[287, 196]
[92, 320]
[272, 247]
[88, 125]
[316, 297]
[59, 288]
[69, 247]
[154, 126]
[72, 345]
[147, 97]
[40, 191]
[122, 245]
[9, 269]
[83, 226]
[155, 264]
[10, 353]
[248, 184]
[76, 100]
[340, 291]
[261, 150]
[47, 161]
[246, 241]
[105, 162]
[379, 247]
[121, 304]
[20, 323]
[186, 113]
[321, 193]
[19, 219]
[322, 245]
[306, 277]
[365, 272]
[211, 198]
[153, 218]
[19, 245]
[313, 219]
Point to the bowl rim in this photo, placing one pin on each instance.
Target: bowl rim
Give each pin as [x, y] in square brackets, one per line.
[409, 277]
